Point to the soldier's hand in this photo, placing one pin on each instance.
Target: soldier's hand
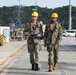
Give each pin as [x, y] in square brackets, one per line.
[39, 35]
[28, 35]
[58, 43]
[45, 45]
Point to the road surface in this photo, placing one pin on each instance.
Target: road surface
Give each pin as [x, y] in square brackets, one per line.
[20, 65]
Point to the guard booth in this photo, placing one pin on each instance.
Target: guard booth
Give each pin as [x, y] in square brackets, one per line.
[5, 33]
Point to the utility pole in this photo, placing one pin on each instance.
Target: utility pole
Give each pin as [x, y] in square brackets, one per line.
[70, 15]
[36, 8]
[19, 21]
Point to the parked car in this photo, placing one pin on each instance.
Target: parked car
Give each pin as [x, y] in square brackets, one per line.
[69, 33]
[63, 32]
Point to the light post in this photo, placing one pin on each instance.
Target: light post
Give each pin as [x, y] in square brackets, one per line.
[62, 24]
[70, 17]
[36, 5]
[19, 21]
[36, 8]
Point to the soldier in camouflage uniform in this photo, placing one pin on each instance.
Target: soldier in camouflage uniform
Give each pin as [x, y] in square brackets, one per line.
[52, 39]
[35, 33]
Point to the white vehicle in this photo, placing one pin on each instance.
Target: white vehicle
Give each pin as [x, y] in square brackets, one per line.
[69, 33]
[63, 32]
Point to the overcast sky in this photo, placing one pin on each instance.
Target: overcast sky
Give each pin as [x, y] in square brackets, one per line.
[41, 3]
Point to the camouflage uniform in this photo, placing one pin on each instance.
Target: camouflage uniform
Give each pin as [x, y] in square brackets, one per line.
[34, 41]
[52, 35]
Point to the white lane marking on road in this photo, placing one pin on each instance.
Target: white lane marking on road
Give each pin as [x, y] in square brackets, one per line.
[8, 67]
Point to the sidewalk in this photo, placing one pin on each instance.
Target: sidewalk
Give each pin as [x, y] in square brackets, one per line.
[10, 49]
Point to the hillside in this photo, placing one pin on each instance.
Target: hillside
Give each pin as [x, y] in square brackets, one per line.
[8, 14]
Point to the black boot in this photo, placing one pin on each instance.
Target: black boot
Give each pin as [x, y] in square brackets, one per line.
[37, 67]
[33, 67]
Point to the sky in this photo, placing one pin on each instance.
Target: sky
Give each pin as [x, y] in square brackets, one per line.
[41, 3]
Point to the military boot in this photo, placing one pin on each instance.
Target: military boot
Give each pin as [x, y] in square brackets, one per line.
[55, 66]
[33, 67]
[37, 67]
[50, 68]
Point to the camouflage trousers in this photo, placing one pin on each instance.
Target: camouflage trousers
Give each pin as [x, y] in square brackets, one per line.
[34, 57]
[34, 48]
[53, 54]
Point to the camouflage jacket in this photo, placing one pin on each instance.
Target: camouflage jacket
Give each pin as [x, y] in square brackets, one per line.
[53, 34]
[34, 29]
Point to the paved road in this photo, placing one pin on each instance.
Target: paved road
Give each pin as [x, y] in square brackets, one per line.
[9, 50]
[20, 65]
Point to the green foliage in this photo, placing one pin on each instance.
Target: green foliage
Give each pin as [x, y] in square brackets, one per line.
[8, 14]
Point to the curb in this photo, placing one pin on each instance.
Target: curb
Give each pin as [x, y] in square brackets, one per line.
[2, 61]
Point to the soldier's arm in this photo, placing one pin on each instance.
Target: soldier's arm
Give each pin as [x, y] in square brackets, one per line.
[41, 32]
[60, 34]
[27, 30]
[45, 36]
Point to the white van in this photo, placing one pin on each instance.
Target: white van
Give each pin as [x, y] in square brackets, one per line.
[70, 33]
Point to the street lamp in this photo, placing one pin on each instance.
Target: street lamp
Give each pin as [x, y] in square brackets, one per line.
[70, 17]
[36, 5]
[36, 8]
[63, 24]
[19, 21]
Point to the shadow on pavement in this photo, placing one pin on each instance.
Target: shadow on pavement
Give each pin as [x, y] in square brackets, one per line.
[68, 48]
[24, 71]
[67, 66]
